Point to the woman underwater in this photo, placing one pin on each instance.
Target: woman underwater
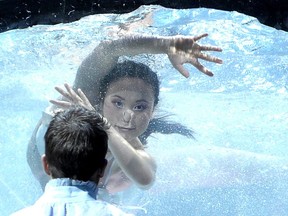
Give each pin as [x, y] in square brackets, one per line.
[125, 93]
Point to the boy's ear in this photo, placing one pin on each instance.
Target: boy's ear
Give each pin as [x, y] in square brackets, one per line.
[45, 164]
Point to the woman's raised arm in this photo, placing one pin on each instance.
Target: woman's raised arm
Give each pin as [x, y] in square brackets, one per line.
[180, 50]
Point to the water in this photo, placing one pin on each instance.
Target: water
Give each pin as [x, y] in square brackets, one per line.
[237, 164]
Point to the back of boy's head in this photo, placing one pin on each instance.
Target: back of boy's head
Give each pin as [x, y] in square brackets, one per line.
[75, 144]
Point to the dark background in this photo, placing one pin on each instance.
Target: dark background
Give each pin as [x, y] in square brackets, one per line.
[24, 13]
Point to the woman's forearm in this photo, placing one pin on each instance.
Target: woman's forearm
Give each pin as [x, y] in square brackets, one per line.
[135, 45]
[136, 164]
[132, 45]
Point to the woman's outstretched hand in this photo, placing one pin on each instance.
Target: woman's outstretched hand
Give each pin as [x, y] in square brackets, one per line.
[71, 98]
[185, 50]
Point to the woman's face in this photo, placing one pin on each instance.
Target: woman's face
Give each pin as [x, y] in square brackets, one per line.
[129, 105]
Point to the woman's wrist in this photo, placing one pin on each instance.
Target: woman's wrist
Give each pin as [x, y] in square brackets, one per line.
[48, 115]
[162, 44]
[105, 123]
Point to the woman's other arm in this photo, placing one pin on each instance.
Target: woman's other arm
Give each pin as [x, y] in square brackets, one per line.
[34, 158]
[136, 163]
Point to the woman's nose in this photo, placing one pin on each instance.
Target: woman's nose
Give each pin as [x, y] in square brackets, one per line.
[128, 115]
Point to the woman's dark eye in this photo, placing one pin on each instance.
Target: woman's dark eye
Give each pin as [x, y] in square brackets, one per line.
[118, 104]
[139, 107]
